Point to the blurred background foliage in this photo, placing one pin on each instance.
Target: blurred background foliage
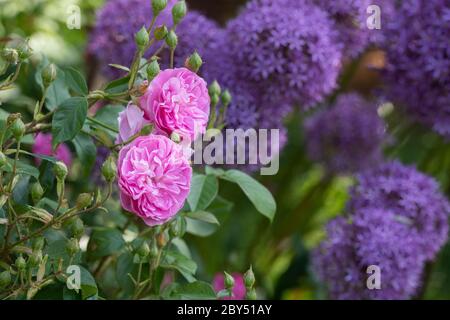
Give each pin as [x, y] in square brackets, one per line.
[306, 196]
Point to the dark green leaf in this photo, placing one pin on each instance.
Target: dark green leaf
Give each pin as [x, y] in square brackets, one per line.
[197, 290]
[261, 198]
[105, 241]
[203, 191]
[86, 151]
[76, 81]
[200, 228]
[109, 114]
[118, 86]
[21, 168]
[88, 284]
[181, 263]
[69, 119]
[203, 216]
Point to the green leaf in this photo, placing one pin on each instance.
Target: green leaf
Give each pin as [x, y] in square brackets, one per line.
[118, 85]
[21, 168]
[88, 285]
[261, 198]
[200, 228]
[203, 191]
[197, 290]
[76, 81]
[181, 263]
[86, 151]
[125, 266]
[203, 216]
[109, 114]
[69, 119]
[105, 241]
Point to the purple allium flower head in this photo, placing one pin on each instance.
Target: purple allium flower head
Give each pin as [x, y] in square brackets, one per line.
[112, 40]
[412, 196]
[418, 54]
[289, 52]
[348, 137]
[397, 221]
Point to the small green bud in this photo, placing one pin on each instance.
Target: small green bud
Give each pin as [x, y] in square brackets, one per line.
[249, 278]
[5, 279]
[38, 244]
[161, 32]
[214, 89]
[142, 38]
[228, 281]
[226, 98]
[72, 246]
[24, 51]
[194, 62]
[83, 200]
[177, 227]
[10, 55]
[109, 169]
[77, 228]
[175, 137]
[144, 250]
[153, 70]
[214, 100]
[36, 192]
[48, 74]
[158, 6]
[251, 294]
[146, 130]
[179, 11]
[35, 259]
[153, 250]
[20, 263]
[3, 159]
[172, 39]
[18, 129]
[60, 170]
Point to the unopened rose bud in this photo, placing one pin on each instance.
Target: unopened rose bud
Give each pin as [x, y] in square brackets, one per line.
[35, 259]
[194, 62]
[36, 192]
[161, 239]
[214, 100]
[60, 170]
[5, 279]
[228, 281]
[179, 11]
[177, 227]
[214, 89]
[38, 244]
[161, 32]
[20, 263]
[175, 137]
[172, 39]
[109, 169]
[77, 228]
[226, 98]
[83, 200]
[18, 129]
[158, 6]
[48, 74]
[142, 38]
[249, 278]
[3, 159]
[153, 250]
[72, 246]
[144, 250]
[10, 55]
[251, 294]
[153, 70]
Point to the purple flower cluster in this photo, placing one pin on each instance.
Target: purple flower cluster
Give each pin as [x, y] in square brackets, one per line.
[418, 54]
[347, 137]
[397, 221]
[288, 52]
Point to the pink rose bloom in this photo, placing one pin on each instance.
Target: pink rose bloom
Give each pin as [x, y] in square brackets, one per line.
[239, 290]
[177, 100]
[131, 121]
[154, 178]
[43, 146]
